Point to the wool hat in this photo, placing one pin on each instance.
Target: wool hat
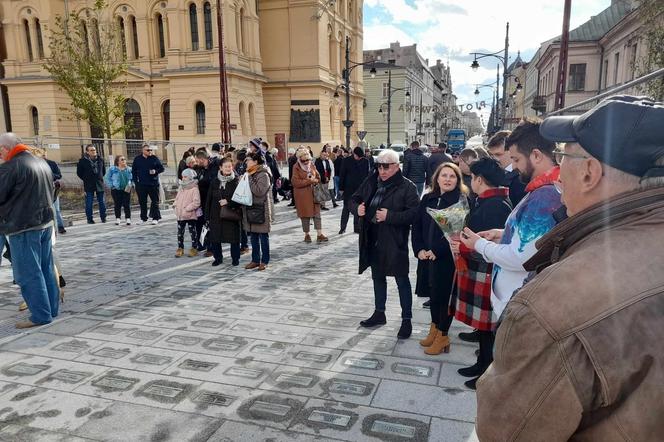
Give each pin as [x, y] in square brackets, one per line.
[256, 142]
[358, 151]
[625, 132]
[189, 173]
[216, 147]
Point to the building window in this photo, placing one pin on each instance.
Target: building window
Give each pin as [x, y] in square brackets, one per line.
[577, 77]
[243, 33]
[332, 123]
[252, 118]
[96, 39]
[134, 35]
[166, 117]
[40, 40]
[605, 74]
[123, 37]
[193, 23]
[207, 18]
[386, 89]
[632, 63]
[34, 117]
[616, 61]
[243, 119]
[26, 28]
[332, 47]
[160, 36]
[200, 118]
[86, 36]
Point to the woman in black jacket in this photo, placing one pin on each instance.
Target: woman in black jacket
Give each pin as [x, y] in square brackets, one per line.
[223, 214]
[436, 268]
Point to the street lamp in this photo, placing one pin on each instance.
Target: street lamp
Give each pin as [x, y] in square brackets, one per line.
[390, 92]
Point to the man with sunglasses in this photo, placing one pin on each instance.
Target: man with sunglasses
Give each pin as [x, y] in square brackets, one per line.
[145, 173]
[387, 203]
[579, 354]
[91, 170]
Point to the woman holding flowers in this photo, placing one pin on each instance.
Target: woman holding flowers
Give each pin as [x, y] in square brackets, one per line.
[436, 268]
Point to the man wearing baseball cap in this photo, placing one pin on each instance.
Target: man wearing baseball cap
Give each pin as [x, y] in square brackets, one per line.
[579, 351]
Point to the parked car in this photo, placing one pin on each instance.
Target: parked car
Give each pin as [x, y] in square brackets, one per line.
[400, 149]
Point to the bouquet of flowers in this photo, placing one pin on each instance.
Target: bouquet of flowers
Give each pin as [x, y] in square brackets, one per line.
[452, 221]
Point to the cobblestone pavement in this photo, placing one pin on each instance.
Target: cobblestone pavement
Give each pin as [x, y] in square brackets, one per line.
[150, 347]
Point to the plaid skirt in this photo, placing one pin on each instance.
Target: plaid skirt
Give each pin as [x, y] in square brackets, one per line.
[473, 305]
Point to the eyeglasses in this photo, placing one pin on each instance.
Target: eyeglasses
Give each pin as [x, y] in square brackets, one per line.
[384, 166]
[559, 156]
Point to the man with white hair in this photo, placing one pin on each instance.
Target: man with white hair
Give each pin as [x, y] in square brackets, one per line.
[579, 351]
[26, 218]
[386, 203]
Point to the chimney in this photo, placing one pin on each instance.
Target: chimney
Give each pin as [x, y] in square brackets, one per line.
[438, 62]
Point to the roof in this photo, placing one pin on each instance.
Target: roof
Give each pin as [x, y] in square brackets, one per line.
[600, 24]
[518, 62]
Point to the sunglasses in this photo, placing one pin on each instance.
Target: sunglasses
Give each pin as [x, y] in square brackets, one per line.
[384, 166]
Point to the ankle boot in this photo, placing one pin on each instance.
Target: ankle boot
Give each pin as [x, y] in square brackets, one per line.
[378, 318]
[441, 343]
[426, 342]
[406, 329]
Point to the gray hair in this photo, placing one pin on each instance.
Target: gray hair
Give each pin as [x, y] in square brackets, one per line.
[387, 156]
[10, 140]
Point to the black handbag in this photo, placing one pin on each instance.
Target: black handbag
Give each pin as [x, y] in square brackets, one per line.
[229, 214]
[256, 214]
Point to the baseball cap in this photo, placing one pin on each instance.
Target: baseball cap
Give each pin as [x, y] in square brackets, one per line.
[626, 132]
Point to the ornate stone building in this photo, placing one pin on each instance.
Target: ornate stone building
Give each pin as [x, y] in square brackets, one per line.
[282, 56]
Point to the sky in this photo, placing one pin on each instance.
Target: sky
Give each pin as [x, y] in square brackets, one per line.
[451, 29]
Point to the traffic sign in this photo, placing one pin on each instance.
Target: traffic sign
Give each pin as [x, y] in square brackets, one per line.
[361, 134]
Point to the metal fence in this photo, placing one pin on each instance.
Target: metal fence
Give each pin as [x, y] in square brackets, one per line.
[631, 88]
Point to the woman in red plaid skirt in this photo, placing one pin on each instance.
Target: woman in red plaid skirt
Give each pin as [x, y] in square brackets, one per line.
[491, 209]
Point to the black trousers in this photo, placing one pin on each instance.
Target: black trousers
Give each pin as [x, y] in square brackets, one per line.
[121, 200]
[345, 215]
[218, 255]
[143, 193]
[440, 292]
[485, 358]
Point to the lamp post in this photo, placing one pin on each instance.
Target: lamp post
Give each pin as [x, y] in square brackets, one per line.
[504, 58]
[390, 92]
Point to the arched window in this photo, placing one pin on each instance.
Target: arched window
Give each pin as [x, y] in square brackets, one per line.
[123, 37]
[133, 127]
[96, 39]
[200, 118]
[243, 119]
[86, 36]
[160, 36]
[350, 15]
[342, 55]
[193, 24]
[134, 35]
[332, 48]
[252, 118]
[207, 19]
[238, 30]
[26, 28]
[34, 119]
[166, 117]
[40, 41]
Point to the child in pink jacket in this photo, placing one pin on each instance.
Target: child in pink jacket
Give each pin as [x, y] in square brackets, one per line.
[187, 206]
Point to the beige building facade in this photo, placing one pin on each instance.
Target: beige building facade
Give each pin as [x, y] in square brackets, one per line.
[283, 61]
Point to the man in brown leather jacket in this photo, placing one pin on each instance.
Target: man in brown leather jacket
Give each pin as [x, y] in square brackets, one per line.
[580, 353]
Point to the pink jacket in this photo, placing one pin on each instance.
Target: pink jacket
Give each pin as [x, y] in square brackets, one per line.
[186, 203]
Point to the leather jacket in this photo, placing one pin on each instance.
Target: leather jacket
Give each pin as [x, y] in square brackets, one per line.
[26, 194]
[579, 352]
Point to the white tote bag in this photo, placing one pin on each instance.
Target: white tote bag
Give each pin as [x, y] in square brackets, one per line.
[242, 194]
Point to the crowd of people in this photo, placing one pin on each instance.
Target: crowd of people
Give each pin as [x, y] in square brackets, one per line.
[545, 269]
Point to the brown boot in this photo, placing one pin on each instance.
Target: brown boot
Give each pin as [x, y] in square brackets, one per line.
[441, 344]
[426, 342]
[179, 253]
[321, 238]
[262, 267]
[193, 252]
[26, 324]
[307, 238]
[252, 265]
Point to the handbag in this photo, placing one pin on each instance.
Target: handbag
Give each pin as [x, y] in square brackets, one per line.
[242, 194]
[228, 214]
[321, 194]
[256, 214]
[128, 187]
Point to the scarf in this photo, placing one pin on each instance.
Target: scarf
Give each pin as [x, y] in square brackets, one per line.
[549, 177]
[93, 163]
[381, 189]
[498, 191]
[305, 167]
[17, 150]
[185, 185]
[253, 169]
[225, 179]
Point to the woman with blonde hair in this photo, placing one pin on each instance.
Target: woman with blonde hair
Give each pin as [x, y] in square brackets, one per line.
[436, 268]
[304, 178]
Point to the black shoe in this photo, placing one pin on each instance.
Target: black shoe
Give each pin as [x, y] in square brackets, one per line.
[324, 208]
[217, 262]
[91, 221]
[62, 282]
[276, 201]
[342, 231]
[473, 336]
[236, 263]
[378, 318]
[472, 384]
[291, 205]
[427, 304]
[472, 371]
[201, 247]
[62, 230]
[335, 205]
[103, 220]
[405, 330]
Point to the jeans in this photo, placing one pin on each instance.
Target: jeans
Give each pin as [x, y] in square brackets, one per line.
[3, 240]
[32, 262]
[405, 295]
[143, 192]
[218, 253]
[420, 189]
[89, 201]
[345, 214]
[260, 242]
[121, 200]
[58, 214]
[336, 188]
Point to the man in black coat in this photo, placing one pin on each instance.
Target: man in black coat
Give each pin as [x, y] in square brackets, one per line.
[438, 157]
[354, 170]
[91, 171]
[145, 170]
[387, 203]
[324, 167]
[415, 166]
[499, 151]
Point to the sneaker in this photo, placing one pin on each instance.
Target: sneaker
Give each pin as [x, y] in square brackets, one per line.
[141, 222]
[117, 221]
[155, 222]
[129, 221]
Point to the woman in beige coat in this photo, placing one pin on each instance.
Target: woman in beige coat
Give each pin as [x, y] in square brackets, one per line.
[304, 177]
[257, 218]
